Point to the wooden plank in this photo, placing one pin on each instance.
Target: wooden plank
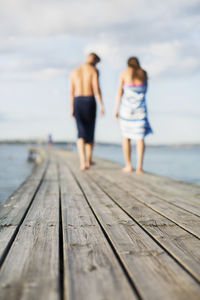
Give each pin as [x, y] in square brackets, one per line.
[31, 268]
[186, 220]
[176, 186]
[164, 192]
[52, 171]
[139, 253]
[181, 217]
[178, 242]
[188, 193]
[90, 267]
[14, 208]
[177, 214]
[183, 246]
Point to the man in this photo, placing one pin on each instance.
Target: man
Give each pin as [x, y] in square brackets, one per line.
[84, 89]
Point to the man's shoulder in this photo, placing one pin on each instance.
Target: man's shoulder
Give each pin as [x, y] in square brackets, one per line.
[75, 70]
[91, 68]
[83, 69]
[94, 70]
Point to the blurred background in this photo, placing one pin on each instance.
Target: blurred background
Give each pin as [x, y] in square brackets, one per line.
[41, 41]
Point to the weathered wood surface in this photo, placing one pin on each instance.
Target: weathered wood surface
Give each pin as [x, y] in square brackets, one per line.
[31, 267]
[15, 208]
[137, 188]
[99, 234]
[92, 271]
[139, 253]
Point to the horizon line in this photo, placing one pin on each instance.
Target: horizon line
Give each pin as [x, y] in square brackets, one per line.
[43, 141]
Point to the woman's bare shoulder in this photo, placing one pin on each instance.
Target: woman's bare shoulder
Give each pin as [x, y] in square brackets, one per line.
[123, 73]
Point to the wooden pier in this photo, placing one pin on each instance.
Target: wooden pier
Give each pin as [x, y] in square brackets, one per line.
[99, 235]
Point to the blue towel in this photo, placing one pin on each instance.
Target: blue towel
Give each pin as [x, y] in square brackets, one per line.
[133, 112]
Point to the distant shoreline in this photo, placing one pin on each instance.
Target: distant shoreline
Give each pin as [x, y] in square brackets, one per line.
[62, 143]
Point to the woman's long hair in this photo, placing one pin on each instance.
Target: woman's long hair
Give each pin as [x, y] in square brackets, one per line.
[138, 72]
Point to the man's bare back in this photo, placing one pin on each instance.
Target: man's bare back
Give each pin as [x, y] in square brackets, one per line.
[84, 90]
[84, 80]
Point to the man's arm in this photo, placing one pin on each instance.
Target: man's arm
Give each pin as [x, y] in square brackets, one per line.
[71, 95]
[97, 90]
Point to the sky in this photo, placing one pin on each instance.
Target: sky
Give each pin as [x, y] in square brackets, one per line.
[41, 41]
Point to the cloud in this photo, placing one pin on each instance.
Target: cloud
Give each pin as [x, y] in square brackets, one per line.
[53, 17]
[43, 39]
[172, 59]
[162, 58]
[37, 58]
[58, 17]
[3, 117]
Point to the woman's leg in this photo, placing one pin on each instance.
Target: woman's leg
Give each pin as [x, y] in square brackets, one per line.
[140, 154]
[81, 152]
[89, 148]
[126, 146]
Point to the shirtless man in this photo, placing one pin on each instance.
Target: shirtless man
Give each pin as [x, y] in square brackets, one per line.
[84, 89]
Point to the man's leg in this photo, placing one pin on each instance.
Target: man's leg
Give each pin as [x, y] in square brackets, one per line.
[140, 154]
[81, 152]
[126, 145]
[89, 148]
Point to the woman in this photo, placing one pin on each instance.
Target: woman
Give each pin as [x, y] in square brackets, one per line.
[131, 104]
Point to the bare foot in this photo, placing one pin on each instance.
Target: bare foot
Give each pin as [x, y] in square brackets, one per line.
[127, 169]
[87, 165]
[139, 171]
[83, 168]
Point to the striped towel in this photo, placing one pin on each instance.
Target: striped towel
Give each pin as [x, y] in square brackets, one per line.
[134, 123]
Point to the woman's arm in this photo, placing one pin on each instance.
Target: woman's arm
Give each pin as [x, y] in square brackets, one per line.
[97, 91]
[71, 95]
[119, 95]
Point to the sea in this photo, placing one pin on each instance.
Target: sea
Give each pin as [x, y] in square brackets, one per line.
[180, 162]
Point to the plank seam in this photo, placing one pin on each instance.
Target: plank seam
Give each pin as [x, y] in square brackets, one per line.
[61, 254]
[162, 214]
[159, 175]
[12, 239]
[165, 200]
[138, 223]
[65, 293]
[157, 211]
[132, 284]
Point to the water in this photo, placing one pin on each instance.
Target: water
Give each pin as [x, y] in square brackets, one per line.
[14, 168]
[180, 162]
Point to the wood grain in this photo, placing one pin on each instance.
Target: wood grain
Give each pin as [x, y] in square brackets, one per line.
[91, 269]
[99, 234]
[14, 208]
[31, 268]
[139, 253]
